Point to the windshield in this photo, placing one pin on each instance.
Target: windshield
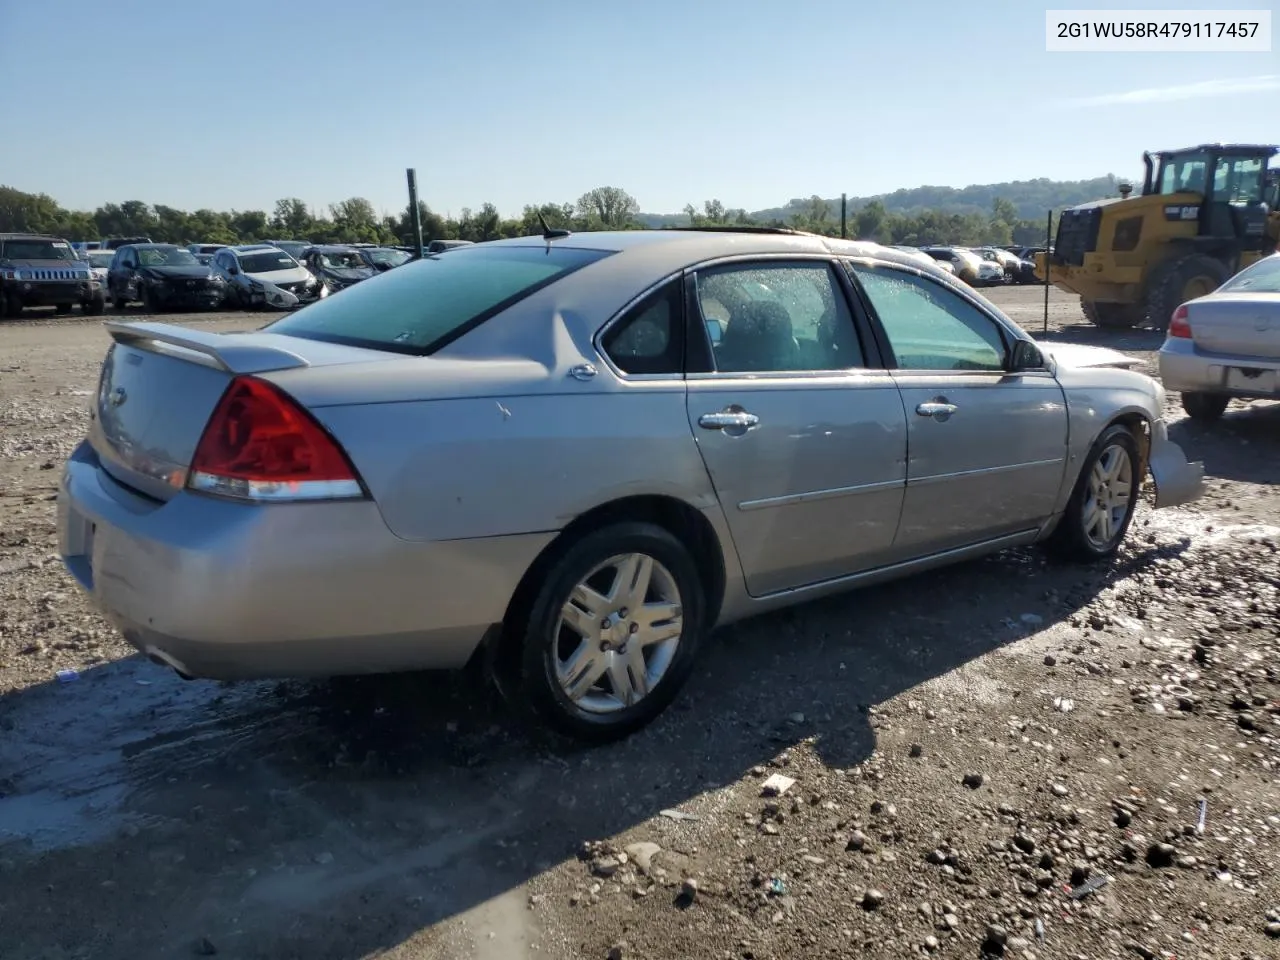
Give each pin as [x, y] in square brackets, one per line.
[166, 257]
[100, 258]
[342, 260]
[1262, 277]
[37, 250]
[292, 247]
[424, 305]
[1184, 173]
[266, 262]
[392, 258]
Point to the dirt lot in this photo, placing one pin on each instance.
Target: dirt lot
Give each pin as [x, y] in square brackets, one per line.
[966, 746]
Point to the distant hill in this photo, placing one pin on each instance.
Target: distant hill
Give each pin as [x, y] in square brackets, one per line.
[1031, 197]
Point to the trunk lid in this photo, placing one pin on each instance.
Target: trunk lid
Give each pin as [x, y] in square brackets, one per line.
[1239, 324]
[160, 383]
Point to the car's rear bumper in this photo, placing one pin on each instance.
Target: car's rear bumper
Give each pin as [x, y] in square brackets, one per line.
[227, 590]
[1184, 369]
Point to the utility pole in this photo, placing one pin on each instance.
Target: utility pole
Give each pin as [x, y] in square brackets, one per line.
[415, 215]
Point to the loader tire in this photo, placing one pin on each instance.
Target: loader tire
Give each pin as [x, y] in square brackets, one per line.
[1111, 316]
[1176, 281]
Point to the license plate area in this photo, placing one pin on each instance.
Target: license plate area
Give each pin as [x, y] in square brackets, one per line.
[1252, 379]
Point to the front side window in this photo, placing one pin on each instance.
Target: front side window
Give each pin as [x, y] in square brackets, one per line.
[777, 317]
[928, 326]
[420, 307]
[1238, 180]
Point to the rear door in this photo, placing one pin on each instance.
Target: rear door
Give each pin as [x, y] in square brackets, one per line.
[802, 434]
[986, 448]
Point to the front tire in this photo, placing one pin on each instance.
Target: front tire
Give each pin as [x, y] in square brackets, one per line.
[612, 632]
[1205, 407]
[1102, 504]
[150, 303]
[94, 308]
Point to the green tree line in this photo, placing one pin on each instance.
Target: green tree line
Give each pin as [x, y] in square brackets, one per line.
[604, 208]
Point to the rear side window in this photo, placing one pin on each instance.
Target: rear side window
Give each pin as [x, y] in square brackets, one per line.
[422, 306]
[650, 338]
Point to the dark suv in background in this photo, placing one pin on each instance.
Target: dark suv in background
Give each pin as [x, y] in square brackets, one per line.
[43, 271]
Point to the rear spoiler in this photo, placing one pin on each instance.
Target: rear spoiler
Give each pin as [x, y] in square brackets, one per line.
[208, 349]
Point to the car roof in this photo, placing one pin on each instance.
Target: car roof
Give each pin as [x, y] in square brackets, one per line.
[155, 246]
[684, 246]
[332, 248]
[248, 247]
[27, 236]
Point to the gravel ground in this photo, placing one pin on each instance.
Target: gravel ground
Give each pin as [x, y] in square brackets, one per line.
[1035, 761]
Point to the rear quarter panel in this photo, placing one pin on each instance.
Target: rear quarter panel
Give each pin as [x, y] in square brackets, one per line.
[480, 466]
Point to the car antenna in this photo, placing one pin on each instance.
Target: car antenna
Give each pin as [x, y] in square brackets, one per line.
[547, 232]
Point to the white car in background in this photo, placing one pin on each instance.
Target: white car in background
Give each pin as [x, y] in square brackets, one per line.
[99, 261]
[260, 275]
[1227, 343]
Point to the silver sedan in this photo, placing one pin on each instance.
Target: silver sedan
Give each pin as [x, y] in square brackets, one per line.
[1226, 344]
[570, 457]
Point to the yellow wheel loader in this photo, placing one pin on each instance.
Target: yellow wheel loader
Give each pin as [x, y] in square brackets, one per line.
[1202, 215]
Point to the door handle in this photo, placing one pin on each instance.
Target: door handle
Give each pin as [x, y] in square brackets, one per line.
[728, 419]
[938, 408]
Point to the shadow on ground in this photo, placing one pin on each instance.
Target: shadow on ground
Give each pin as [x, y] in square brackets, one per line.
[141, 813]
[1253, 425]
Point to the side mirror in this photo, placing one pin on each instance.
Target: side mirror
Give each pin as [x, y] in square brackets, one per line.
[233, 270]
[1025, 355]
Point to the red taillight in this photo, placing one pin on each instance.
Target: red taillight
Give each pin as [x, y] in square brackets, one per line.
[260, 444]
[1179, 325]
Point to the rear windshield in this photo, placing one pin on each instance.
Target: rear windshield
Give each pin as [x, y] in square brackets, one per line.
[1262, 277]
[423, 305]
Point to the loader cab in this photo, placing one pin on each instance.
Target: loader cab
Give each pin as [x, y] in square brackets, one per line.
[1271, 194]
[1229, 184]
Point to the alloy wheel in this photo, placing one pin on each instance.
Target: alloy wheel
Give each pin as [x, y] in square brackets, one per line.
[617, 633]
[1108, 499]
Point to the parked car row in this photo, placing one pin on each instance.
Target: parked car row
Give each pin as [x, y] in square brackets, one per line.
[984, 266]
[280, 274]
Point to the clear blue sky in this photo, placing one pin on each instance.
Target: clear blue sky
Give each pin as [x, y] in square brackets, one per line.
[236, 103]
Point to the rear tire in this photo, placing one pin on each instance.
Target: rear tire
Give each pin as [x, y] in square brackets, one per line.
[1111, 316]
[1205, 407]
[1108, 483]
[561, 650]
[1174, 282]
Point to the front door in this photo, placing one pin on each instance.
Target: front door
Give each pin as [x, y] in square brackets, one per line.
[986, 448]
[805, 444]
